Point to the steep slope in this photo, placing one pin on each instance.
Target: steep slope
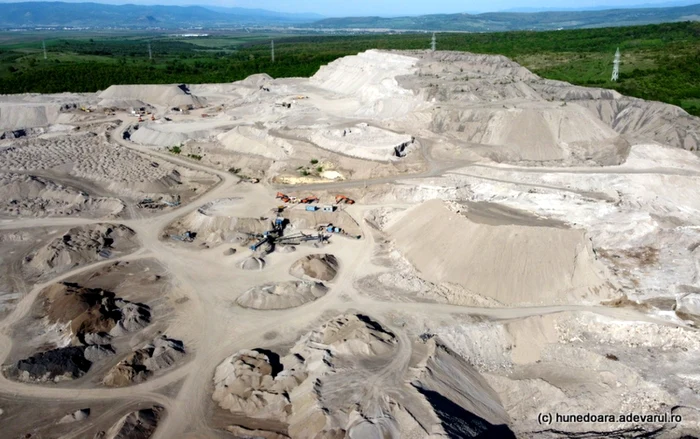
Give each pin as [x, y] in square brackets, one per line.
[515, 262]
[163, 95]
[352, 377]
[666, 124]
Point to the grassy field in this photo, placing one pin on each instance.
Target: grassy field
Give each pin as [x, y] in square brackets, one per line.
[660, 62]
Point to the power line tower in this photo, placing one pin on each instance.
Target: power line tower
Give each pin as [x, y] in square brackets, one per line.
[43, 46]
[616, 66]
[433, 43]
[150, 52]
[272, 48]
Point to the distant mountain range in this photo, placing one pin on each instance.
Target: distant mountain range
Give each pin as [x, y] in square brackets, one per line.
[505, 21]
[265, 14]
[98, 15]
[668, 4]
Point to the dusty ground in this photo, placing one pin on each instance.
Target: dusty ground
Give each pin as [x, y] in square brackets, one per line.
[517, 248]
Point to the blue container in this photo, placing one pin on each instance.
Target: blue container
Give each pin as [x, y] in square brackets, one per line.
[311, 208]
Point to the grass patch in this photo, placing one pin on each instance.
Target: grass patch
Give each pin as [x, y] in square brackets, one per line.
[659, 62]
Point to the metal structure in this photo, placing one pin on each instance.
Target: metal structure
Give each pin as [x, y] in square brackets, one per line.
[275, 236]
[616, 66]
[150, 52]
[272, 47]
[43, 46]
[433, 43]
[330, 228]
[185, 237]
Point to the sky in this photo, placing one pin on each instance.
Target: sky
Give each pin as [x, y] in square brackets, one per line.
[343, 8]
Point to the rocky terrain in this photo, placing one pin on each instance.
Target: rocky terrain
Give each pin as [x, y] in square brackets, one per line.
[158, 355]
[282, 295]
[406, 245]
[316, 267]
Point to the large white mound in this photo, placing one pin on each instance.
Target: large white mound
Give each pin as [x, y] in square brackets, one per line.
[663, 123]
[282, 295]
[169, 134]
[215, 222]
[23, 195]
[657, 121]
[19, 116]
[362, 141]
[491, 66]
[162, 95]
[538, 132]
[514, 263]
[322, 268]
[256, 141]
[368, 74]
[370, 77]
[232, 90]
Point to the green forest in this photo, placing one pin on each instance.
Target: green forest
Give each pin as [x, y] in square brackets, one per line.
[659, 62]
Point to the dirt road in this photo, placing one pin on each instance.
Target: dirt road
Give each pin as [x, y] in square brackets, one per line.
[210, 323]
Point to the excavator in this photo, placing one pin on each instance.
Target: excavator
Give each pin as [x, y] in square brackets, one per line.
[343, 199]
[309, 200]
[283, 197]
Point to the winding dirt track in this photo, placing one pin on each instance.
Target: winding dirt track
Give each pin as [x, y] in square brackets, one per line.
[213, 327]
